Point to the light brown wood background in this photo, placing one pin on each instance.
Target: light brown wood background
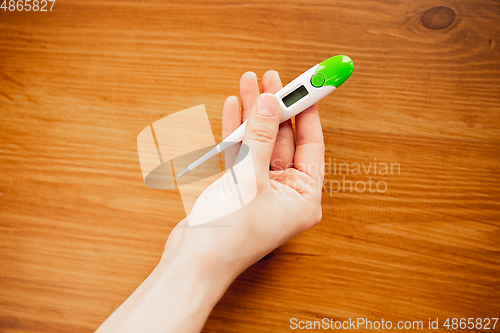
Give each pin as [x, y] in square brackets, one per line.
[79, 230]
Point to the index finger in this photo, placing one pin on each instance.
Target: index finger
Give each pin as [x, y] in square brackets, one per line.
[310, 151]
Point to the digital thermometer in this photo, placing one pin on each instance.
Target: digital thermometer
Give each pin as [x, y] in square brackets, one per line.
[295, 97]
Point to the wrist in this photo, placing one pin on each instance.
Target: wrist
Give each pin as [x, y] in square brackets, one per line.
[197, 252]
[192, 280]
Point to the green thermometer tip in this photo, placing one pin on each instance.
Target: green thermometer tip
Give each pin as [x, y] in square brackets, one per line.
[335, 70]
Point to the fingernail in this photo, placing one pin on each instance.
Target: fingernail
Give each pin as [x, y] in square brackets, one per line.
[266, 106]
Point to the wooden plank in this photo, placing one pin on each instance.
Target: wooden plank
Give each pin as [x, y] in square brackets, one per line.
[80, 230]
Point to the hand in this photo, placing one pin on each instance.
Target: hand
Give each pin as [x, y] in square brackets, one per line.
[199, 263]
[280, 203]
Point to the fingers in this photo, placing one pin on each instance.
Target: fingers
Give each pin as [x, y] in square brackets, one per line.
[284, 148]
[249, 91]
[310, 151]
[307, 157]
[231, 117]
[231, 120]
[260, 135]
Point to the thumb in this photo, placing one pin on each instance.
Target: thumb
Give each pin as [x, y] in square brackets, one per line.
[260, 134]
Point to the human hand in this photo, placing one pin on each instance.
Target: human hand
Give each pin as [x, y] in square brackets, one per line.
[199, 263]
[279, 203]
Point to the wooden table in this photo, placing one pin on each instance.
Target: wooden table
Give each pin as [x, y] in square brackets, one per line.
[80, 230]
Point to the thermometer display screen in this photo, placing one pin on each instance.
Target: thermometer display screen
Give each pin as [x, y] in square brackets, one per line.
[295, 96]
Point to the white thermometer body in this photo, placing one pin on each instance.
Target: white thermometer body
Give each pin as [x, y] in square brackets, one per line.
[309, 88]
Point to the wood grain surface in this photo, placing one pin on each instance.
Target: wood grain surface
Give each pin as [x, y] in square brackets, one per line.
[79, 230]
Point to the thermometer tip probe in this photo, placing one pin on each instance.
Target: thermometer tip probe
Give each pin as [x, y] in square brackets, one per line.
[183, 172]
